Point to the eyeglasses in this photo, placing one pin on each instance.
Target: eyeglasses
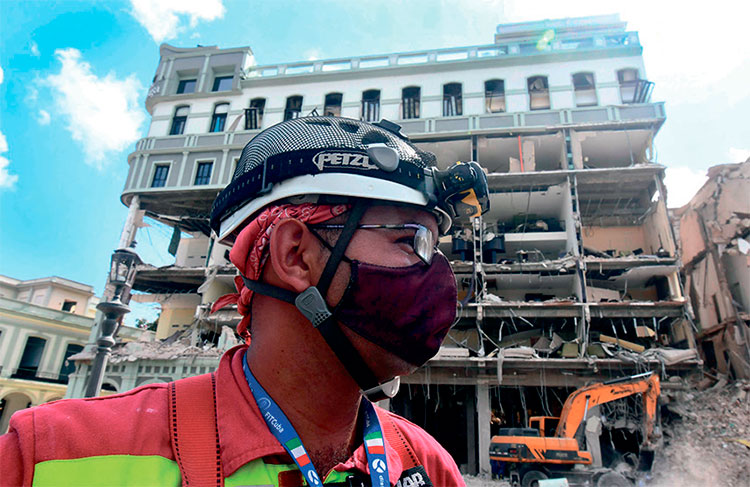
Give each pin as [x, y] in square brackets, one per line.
[424, 243]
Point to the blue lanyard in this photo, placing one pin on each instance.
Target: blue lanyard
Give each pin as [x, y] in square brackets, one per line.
[283, 430]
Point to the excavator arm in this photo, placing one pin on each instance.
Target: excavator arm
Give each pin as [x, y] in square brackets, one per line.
[577, 405]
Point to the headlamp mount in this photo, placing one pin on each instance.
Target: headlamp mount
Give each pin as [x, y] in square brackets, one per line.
[461, 190]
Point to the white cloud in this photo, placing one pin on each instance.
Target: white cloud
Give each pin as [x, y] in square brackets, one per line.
[103, 114]
[312, 54]
[682, 184]
[34, 48]
[7, 180]
[1, 75]
[738, 155]
[43, 117]
[161, 18]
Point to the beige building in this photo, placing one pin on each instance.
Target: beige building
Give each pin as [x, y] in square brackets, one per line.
[42, 323]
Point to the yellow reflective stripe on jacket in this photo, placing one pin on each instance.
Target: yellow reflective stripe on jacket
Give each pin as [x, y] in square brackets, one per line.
[148, 470]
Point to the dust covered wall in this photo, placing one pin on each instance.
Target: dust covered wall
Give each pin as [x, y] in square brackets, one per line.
[705, 293]
[658, 232]
[737, 266]
[618, 238]
[691, 237]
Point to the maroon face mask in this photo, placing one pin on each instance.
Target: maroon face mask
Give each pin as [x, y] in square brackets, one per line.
[406, 310]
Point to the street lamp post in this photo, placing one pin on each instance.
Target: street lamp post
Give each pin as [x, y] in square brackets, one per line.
[121, 276]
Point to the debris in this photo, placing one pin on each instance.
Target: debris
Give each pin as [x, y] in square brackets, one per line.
[633, 347]
[644, 332]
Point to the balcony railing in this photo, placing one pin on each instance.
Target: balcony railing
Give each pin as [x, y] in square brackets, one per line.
[437, 56]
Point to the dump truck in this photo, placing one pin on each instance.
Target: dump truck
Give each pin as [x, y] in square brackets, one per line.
[549, 447]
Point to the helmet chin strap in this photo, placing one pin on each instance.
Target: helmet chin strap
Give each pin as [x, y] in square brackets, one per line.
[313, 306]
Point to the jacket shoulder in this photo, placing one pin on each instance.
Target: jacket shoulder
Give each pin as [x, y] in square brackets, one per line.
[131, 423]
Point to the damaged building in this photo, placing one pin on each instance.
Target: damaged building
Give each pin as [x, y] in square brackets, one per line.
[714, 234]
[573, 275]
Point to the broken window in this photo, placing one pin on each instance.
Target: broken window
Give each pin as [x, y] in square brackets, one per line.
[160, 176]
[186, 86]
[584, 89]
[179, 120]
[494, 96]
[538, 93]
[332, 105]
[371, 105]
[410, 98]
[203, 174]
[31, 358]
[254, 114]
[69, 306]
[222, 83]
[219, 118]
[632, 88]
[452, 100]
[293, 107]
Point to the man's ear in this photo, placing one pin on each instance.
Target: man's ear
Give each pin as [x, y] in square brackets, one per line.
[294, 254]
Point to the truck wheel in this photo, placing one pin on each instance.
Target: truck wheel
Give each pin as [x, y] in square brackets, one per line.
[532, 478]
[613, 479]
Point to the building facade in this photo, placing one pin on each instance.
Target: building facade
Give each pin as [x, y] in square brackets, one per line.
[571, 277]
[43, 322]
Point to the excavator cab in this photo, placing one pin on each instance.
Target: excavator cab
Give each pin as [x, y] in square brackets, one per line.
[546, 425]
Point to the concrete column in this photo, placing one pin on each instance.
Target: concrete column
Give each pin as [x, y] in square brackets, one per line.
[483, 427]
[593, 432]
[131, 223]
[471, 434]
[129, 376]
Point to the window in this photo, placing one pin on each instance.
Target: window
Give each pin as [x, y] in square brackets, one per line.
[203, 174]
[179, 120]
[160, 176]
[220, 117]
[584, 89]
[31, 358]
[186, 86]
[494, 96]
[69, 306]
[254, 114]
[410, 98]
[371, 105]
[538, 93]
[70, 367]
[632, 88]
[222, 83]
[293, 107]
[452, 100]
[332, 105]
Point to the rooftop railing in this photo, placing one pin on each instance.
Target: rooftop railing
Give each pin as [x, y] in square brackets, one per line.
[436, 56]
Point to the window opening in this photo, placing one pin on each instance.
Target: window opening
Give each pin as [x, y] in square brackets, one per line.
[222, 83]
[31, 358]
[632, 88]
[293, 107]
[220, 117]
[68, 368]
[160, 176]
[371, 105]
[538, 93]
[332, 105]
[254, 114]
[585, 90]
[179, 120]
[186, 86]
[494, 96]
[203, 174]
[452, 100]
[410, 98]
[69, 306]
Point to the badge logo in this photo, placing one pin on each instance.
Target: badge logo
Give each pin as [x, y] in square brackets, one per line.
[264, 403]
[378, 465]
[313, 478]
[346, 159]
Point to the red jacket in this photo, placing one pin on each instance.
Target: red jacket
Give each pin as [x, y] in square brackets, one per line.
[120, 433]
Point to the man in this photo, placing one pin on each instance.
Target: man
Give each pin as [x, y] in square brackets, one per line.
[334, 226]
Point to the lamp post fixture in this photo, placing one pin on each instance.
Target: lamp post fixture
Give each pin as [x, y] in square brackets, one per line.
[121, 276]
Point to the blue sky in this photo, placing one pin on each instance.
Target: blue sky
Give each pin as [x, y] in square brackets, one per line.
[75, 74]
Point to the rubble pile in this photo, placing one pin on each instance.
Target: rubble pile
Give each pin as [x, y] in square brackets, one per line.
[706, 437]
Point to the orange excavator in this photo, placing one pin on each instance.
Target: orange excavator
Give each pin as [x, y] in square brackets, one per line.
[536, 453]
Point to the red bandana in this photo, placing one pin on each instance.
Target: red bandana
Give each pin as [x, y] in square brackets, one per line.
[249, 251]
